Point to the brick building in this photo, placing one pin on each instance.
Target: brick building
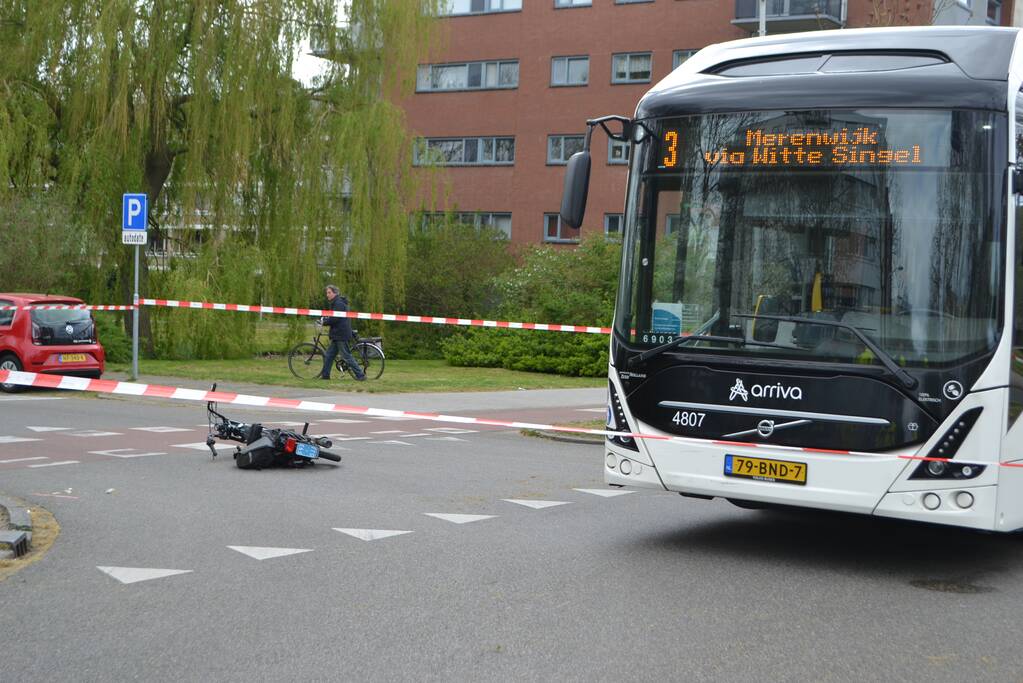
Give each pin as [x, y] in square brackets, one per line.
[504, 107]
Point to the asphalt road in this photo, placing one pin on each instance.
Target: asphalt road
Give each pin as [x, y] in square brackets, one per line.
[639, 586]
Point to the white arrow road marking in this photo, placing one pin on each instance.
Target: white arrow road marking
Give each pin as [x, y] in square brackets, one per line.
[136, 574]
[260, 553]
[55, 464]
[372, 534]
[16, 439]
[41, 457]
[535, 504]
[48, 429]
[451, 430]
[93, 432]
[201, 446]
[458, 519]
[162, 430]
[124, 453]
[606, 493]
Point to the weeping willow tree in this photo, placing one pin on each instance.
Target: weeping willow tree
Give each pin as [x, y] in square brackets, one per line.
[266, 185]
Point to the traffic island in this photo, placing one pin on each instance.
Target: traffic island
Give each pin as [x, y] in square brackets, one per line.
[26, 533]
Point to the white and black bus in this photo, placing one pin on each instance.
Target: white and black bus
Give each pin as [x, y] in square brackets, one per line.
[819, 296]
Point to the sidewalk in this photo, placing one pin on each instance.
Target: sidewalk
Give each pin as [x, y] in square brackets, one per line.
[450, 402]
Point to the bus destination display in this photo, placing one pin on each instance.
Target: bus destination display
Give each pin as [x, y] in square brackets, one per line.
[856, 147]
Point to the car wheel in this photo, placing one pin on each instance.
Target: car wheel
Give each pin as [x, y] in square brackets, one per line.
[10, 362]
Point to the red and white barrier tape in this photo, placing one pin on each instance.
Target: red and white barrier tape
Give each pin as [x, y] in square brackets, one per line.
[104, 386]
[390, 317]
[66, 307]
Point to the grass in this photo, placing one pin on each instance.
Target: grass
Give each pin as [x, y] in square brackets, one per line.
[399, 376]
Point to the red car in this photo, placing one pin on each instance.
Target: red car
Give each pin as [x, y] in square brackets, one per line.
[60, 342]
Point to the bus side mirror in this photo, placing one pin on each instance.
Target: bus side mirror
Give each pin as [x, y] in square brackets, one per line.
[577, 185]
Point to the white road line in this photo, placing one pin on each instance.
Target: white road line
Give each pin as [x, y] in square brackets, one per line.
[55, 464]
[409, 436]
[163, 430]
[201, 446]
[388, 431]
[394, 441]
[48, 429]
[343, 420]
[16, 439]
[592, 410]
[41, 457]
[604, 493]
[452, 430]
[444, 438]
[351, 438]
[124, 453]
[88, 433]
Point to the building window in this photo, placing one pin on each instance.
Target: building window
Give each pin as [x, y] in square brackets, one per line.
[613, 223]
[994, 12]
[631, 67]
[572, 3]
[679, 56]
[672, 222]
[467, 76]
[501, 222]
[464, 152]
[554, 231]
[617, 152]
[560, 148]
[570, 70]
[453, 8]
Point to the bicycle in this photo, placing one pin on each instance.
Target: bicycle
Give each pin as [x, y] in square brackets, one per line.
[305, 360]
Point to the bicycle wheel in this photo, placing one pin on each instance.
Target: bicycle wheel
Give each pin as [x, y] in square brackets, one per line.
[371, 358]
[306, 361]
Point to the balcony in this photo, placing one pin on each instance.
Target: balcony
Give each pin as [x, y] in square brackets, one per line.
[790, 16]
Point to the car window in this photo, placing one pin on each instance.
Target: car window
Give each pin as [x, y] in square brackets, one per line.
[6, 316]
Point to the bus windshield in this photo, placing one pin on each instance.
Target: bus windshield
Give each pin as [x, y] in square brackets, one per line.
[882, 220]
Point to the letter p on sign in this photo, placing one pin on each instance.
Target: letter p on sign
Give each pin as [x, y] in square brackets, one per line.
[133, 212]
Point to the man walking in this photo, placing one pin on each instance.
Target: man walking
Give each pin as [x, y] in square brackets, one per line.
[340, 334]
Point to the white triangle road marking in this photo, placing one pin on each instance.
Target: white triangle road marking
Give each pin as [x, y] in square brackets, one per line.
[260, 553]
[125, 453]
[372, 534]
[48, 429]
[16, 439]
[458, 519]
[535, 504]
[136, 574]
[605, 493]
[201, 446]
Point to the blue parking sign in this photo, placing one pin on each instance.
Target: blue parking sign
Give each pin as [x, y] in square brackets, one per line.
[133, 212]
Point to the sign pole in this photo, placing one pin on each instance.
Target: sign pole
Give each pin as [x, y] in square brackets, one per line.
[762, 15]
[135, 322]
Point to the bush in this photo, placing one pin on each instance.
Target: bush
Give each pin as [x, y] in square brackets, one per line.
[452, 271]
[553, 285]
[116, 343]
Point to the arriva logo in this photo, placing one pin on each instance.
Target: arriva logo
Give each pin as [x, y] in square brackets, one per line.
[764, 391]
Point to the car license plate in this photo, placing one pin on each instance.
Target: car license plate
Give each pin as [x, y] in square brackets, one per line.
[762, 469]
[307, 450]
[72, 358]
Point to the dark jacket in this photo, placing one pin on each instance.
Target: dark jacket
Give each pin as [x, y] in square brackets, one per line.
[340, 328]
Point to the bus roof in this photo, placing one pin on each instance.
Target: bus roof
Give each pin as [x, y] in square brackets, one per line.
[970, 70]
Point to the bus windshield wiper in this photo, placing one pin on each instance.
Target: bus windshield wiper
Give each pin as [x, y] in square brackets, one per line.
[886, 359]
[675, 343]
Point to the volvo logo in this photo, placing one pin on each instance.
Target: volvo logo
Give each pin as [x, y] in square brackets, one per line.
[765, 428]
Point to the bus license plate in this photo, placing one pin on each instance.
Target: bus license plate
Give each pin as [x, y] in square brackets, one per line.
[762, 469]
[72, 358]
[307, 450]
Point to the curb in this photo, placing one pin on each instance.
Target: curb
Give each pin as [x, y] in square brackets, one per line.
[556, 436]
[18, 516]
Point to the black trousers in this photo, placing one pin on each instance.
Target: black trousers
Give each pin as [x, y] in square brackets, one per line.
[340, 347]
